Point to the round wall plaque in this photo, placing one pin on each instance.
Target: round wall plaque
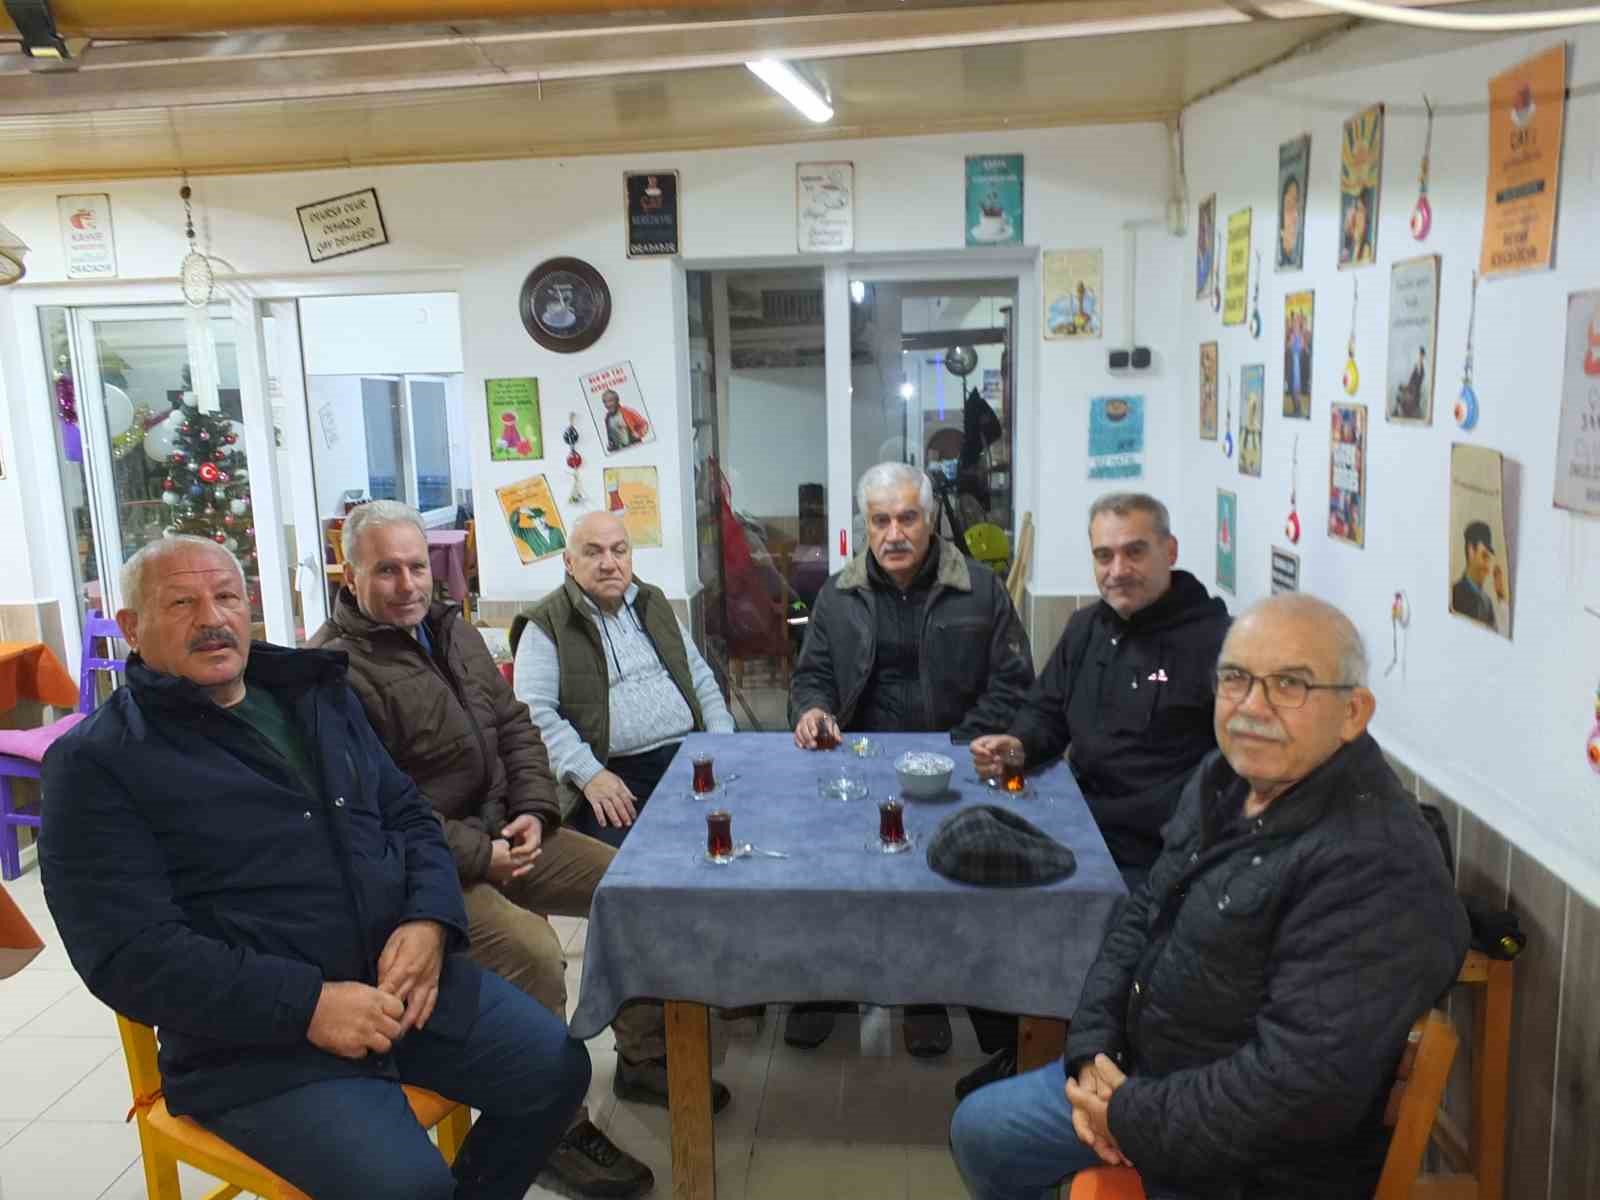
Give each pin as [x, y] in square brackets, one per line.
[565, 305]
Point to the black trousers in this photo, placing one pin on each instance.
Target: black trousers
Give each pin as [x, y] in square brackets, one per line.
[641, 772]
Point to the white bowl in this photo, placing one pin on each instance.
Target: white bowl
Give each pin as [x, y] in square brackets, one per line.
[922, 775]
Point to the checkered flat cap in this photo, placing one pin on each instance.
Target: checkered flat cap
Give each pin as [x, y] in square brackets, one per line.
[994, 847]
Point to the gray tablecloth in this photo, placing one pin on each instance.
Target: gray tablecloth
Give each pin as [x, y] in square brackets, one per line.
[833, 922]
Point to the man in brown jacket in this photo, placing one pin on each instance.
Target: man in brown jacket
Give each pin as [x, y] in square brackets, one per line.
[439, 703]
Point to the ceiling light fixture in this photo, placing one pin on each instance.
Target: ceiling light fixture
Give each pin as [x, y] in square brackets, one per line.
[793, 87]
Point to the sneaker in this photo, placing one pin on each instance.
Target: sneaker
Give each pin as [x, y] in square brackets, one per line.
[587, 1163]
[807, 1027]
[1001, 1065]
[926, 1032]
[646, 1083]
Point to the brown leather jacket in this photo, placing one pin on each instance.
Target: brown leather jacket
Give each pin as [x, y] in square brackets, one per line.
[451, 722]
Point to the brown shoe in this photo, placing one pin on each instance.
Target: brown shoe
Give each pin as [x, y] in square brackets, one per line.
[586, 1163]
[646, 1083]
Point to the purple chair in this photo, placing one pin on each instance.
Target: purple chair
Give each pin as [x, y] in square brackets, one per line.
[22, 750]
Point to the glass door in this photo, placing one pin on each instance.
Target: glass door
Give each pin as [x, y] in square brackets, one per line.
[161, 415]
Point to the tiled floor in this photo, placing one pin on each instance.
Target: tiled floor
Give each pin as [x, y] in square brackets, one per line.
[844, 1122]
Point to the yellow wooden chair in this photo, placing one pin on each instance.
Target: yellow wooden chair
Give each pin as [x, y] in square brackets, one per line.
[1413, 1104]
[166, 1140]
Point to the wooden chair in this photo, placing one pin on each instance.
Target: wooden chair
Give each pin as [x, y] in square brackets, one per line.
[1020, 561]
[166, 1140]
[471, 569]
[1413, 1105]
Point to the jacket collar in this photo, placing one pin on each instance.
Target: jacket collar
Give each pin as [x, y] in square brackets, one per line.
[269, 666]
[1355, 766]
[953, 570]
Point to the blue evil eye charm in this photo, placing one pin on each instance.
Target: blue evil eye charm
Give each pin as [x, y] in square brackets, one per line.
[1467, 407]
[1227, 444]
[1255, 323]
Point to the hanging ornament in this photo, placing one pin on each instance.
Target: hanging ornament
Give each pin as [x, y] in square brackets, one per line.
[1291, 525]
[194, 273]
[205, 435]
[1593, 749]
[222, 476]
[207, 472]
[221, 495]
[1227, 429]
[241, 475]
[196, 491]
[1255, 303]
[169, 483]
[170, 497]
[1216, 276]
[1467, 401]
[131, 438]
[220, 538]
[1399, 618]
[1352, 376]
[230, 438]
[574, 459]
[67, 410]
[238, 508]
[1422, 211]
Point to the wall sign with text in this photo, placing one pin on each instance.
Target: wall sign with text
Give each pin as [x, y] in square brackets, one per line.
[342, 225]
[87, 242]
[652, 212]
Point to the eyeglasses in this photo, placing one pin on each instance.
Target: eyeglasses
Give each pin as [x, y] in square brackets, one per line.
[1281, 691]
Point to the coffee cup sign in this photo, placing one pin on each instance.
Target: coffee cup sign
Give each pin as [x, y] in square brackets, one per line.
[342, 225]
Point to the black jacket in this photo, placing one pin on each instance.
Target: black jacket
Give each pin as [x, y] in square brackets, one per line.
[976, 666]
[1259, 986]
[199, 888]
[1131, 704]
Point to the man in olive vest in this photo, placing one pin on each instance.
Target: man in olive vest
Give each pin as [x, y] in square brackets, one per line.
[613, 681]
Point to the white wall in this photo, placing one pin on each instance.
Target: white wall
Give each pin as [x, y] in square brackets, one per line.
[16, 581]
[1498, 725]
[776, 438]
[472, 219]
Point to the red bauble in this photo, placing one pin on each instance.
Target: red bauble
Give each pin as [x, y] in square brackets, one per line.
[179, 458]
[574, 460]
[218, 454]
[219, 537]
[169, 484]
[230, 438]
[205, 435]
[208, 473]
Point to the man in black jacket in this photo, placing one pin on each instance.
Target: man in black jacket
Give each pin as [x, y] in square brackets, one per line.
[1239, 1031]
[1127, 695]
[910, 637]
[230, 855]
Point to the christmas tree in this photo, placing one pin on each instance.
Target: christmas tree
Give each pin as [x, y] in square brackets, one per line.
[207, 488]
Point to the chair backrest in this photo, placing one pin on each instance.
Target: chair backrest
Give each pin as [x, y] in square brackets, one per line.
[1414, 1102]
[96, 627]
[333, 537]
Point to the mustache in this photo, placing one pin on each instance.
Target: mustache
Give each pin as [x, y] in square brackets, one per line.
[214, 638]
[899, 546]
[1248, 727]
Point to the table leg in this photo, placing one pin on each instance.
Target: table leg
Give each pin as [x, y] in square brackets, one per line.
[1040, 1041]
[694, 1147]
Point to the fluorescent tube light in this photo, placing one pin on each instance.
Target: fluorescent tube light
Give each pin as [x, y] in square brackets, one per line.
[793, 87]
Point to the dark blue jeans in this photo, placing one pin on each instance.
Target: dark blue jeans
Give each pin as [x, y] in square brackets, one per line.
[350, 1138]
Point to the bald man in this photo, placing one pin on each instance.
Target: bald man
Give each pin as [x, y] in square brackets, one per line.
[1240, 1029]
[613, 681]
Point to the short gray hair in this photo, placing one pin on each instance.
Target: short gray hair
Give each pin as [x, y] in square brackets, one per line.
[1120, 504]
[131, 578]
[1350, 651]
[892, 476]
[371, 515]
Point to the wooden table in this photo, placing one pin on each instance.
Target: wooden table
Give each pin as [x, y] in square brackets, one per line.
[29, 671]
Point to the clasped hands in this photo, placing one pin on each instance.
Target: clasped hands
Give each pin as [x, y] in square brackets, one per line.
[355, 1019]
[1090, 1097]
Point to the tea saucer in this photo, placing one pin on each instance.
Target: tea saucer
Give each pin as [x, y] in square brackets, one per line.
[877, 847]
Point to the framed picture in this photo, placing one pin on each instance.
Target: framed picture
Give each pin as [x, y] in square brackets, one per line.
[565, 305]
[650, 200]
[1116, 437]
[994, 200]
[516, 433]
[531, 515]
[1294, 168]
[1236, 281]
[1072, 282]
[1413, 330]
[825, 207]
[1227, 541]
[617, 406]
[1208, 391]
[1299, 313]
[1252, 402]
[634, 494]
[1360, 181]
[1480, 559]
[1577, 484]
[1205, 247]
[1347, 475]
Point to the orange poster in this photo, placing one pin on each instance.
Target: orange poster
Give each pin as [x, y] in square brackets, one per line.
[1527, 105]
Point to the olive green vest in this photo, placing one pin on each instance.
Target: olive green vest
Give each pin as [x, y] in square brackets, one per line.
[585, 704]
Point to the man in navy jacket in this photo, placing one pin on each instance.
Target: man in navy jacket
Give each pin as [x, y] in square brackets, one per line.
[230, 855]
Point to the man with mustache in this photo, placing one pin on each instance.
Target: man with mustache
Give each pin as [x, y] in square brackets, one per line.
[1239, 1031]
[438, 702]
[910, 637]
[1126, 695]
[230, 855]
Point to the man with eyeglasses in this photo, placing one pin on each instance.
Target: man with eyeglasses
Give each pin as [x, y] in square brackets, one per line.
[1239, 1031]
[1127, 695]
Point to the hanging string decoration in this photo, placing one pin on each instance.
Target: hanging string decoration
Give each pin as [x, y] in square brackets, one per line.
[67, 410]
[1594, 735]
[195, 271]
[574, 460]
[1352, 375]
[1422, 211]
[1227, 429]
[1216, 276]
[1467, 402]
[1291, 525]
[1255, 303]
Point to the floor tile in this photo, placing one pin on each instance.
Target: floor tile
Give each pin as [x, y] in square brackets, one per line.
[130, 1185]
[104, 1094]
[806, 1170]
[77, 1014]
[30, 992]
[931, 1174]
[42, 1164]
[39, 1071]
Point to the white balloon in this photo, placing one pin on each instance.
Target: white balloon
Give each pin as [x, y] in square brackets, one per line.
[119, 410]
[161, 439]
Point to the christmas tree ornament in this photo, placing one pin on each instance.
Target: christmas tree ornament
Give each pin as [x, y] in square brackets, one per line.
[230, 438]
[574, 459]
[1227, 428]
[208, 472]
[67, 410]
[222, 476]
[205, 435]
[1216, 276]
[1352, 375]
[1255, 303]
[238, 508]
[1422, 211]
[1466, 411]
[221, 495]
[1291, 525]
[195, 272]
[170, 497]
[220, 538]
[179, 458]
[196, 491]
[169, 483]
